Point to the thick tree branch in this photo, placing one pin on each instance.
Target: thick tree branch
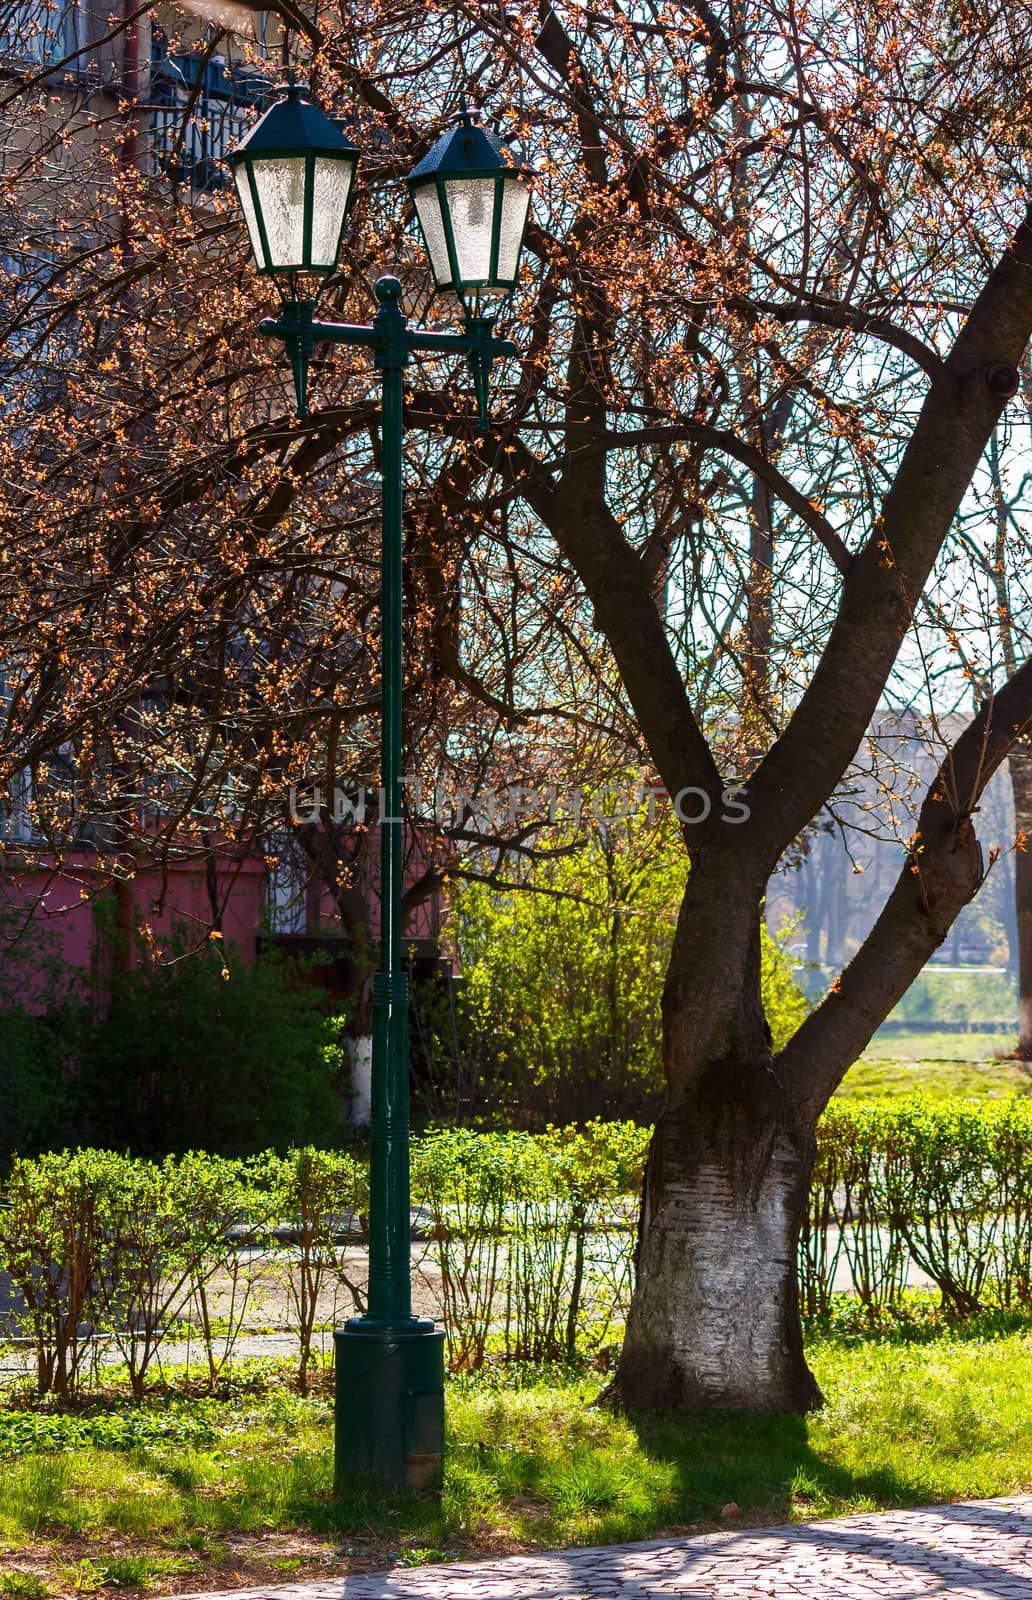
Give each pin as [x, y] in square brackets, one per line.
[886, 579]
[943, 871]
[839, 316]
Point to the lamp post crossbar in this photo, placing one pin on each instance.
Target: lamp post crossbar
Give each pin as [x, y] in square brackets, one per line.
[390, 1364]
[391, 340]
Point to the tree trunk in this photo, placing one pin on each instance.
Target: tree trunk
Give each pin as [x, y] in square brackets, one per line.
[715, 1319]
[1020, 764]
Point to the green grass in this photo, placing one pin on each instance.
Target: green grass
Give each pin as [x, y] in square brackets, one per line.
[911, 1417]
[941, 1064]
[980, 1049]
[907, 1421]
[25, 1584]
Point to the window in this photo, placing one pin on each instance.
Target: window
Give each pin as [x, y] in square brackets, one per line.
[15, 818]
[287, 893]
[41, 30]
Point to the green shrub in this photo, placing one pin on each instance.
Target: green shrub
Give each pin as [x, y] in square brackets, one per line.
[316, 1193]
[558, 1018]
[164, 1227]
[531, 1234]
[944, 1185]
[44, 1016]
[38, 1079]
[187, 1052]
[53, 1246]
[186, 1059]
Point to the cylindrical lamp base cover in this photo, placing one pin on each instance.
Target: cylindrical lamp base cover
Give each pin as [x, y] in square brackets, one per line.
[389, 1405]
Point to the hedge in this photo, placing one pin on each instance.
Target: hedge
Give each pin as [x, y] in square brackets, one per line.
[527, 1240]
[943, 1186]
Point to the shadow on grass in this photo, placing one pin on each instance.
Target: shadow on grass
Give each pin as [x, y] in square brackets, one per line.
[352, 1509]
[765, 1464]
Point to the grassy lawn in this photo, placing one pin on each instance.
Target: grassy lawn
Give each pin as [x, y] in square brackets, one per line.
[181, 1493]
[943, 1064]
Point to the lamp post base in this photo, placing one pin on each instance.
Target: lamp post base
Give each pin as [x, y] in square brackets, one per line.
[389, 1403]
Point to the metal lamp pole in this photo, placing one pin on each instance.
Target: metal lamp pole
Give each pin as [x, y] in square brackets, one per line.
[294, 174]
[390, 1364]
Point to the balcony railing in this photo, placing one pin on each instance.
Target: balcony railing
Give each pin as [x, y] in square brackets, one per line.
[33, 32]
[199, 111]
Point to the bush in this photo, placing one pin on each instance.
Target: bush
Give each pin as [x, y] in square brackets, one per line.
[43, 1019]
[531, 1235]
[186, 1059]
[52, 1245]
[319, 1195]
[944, 1185]
[39, 1079]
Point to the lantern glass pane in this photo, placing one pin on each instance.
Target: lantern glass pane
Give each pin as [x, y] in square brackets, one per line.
[247, 207]
[280, 182]
[428, 209]
[329, 202]
[471, 208]
[515, 202]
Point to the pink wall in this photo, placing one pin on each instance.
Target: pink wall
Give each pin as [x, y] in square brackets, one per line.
[423, 917]
[59, 903]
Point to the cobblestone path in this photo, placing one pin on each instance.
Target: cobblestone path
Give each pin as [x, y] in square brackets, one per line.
[977, 1550]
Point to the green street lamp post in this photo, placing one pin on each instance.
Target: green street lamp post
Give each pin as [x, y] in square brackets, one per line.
[294, 174]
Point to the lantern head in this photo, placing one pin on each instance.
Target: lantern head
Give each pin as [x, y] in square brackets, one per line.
[472, 203]
[294, 174]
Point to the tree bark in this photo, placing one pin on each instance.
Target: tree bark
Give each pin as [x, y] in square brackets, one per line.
[715, 1319]
[1020, 765]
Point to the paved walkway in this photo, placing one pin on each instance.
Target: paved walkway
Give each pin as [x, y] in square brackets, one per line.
[978, 1550]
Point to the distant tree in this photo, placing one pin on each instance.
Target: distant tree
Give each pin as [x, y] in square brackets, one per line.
[563, 969]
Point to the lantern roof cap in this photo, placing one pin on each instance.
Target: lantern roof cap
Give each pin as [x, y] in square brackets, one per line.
[466, 150]
[293, 125]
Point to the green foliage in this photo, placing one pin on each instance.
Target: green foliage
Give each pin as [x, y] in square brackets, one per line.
[563, 978]
[163, 1233]
[195, 1421]
[191, 1053]
[25, 1584]
[220, 1195]
[530, 1236]
[186, 1058]
[945, 1186]
[43, 1018]
[972, 996]
[784, 1002]
[37, 1082]
[98, 1243]
[319, 1194]
[52, 1245]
